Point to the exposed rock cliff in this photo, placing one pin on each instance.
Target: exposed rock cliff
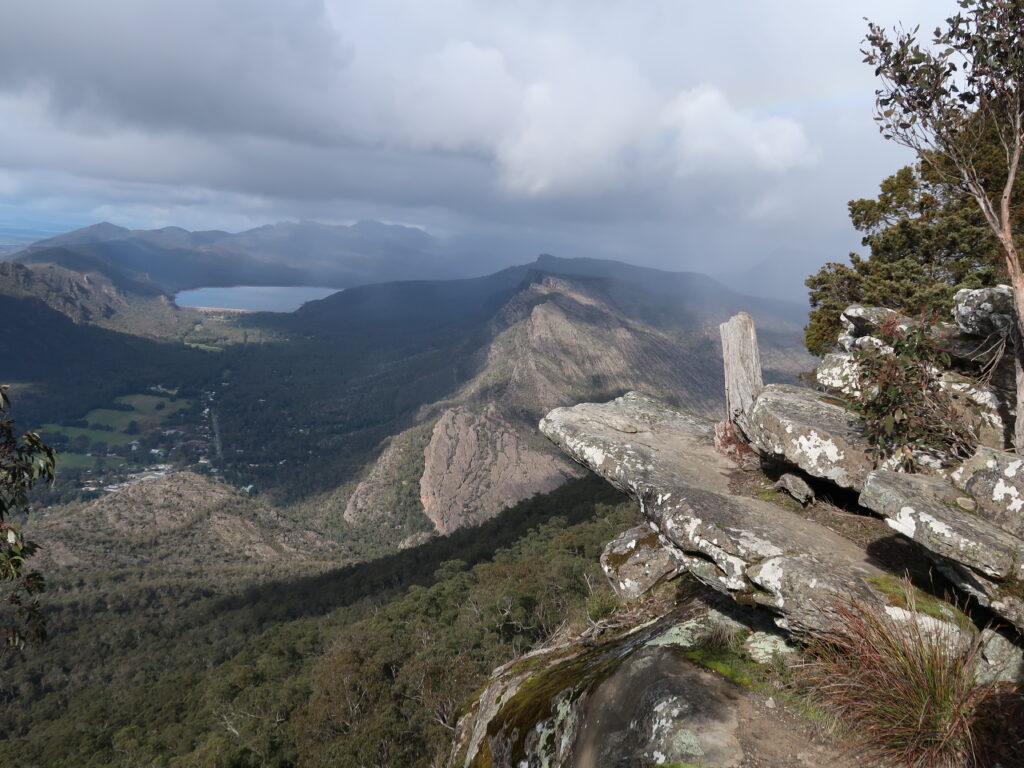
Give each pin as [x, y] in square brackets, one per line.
[476, 464]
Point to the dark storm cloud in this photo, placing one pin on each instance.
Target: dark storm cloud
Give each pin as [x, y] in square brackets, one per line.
[684, 135]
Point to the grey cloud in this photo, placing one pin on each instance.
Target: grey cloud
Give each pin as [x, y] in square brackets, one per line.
[685, 135]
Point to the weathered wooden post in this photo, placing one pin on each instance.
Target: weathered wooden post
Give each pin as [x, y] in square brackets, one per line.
[743, 383]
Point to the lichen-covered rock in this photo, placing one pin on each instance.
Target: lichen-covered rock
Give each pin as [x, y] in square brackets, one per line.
[733, 543]
[925, 509]
[1001, 660]
[982, 406]
[531, 711]
[978, 556]
[859, 321]
[805, 588]
[802, 427]
[839, 372]
[625, 696]
[795, 487]
[995, 481]
[984, 311]
[639, 560]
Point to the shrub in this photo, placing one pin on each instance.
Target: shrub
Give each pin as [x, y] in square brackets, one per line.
[906, 690]
[901, 402]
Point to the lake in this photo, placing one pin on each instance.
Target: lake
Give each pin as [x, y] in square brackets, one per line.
[259, 298]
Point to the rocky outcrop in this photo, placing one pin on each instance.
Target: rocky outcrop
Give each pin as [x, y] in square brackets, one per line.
[804, 428]
[176, 520]
[652, 705]
[995, 482]
[476, 465]
[984, 311]
[617, 698]
[639, 560]
[753, 549]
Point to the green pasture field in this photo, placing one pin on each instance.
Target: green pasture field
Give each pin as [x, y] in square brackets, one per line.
[81, 461]
[111, 438]
[145, 415]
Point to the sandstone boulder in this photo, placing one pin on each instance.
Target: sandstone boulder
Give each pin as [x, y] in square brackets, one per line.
[859, 321]
[984, 311]
[995, 481]
[979, 557]
[795, 487]
[1001, 660]
[638, 560]
[802, 427]
[925, 509]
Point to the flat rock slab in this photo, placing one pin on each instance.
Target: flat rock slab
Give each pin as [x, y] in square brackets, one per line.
[925, 509]
[639, 560]
[757, 550]
[980, 557]
[802, 427]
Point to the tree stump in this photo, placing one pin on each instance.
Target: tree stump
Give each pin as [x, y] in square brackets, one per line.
[742, 360]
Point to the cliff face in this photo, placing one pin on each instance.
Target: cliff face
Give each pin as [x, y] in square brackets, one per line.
[476, 464]
[390, 489]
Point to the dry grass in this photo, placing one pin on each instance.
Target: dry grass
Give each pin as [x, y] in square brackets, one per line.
[907, 693]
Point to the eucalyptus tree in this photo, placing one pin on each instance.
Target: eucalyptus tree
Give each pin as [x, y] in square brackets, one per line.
[24, 461]
[945, 100]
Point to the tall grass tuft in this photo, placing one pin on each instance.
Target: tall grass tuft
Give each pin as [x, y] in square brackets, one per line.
[905, 690]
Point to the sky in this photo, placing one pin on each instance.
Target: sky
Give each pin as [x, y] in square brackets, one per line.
[724, 138]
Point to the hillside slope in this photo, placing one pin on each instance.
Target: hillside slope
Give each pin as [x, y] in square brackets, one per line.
[180, 520]
[553, 339]
[84, 294]
[386, 412]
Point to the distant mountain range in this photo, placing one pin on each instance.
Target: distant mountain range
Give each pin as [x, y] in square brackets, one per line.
[14, 236]
[172, 259]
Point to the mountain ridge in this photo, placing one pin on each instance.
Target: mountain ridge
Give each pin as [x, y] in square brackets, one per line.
[285, 253]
